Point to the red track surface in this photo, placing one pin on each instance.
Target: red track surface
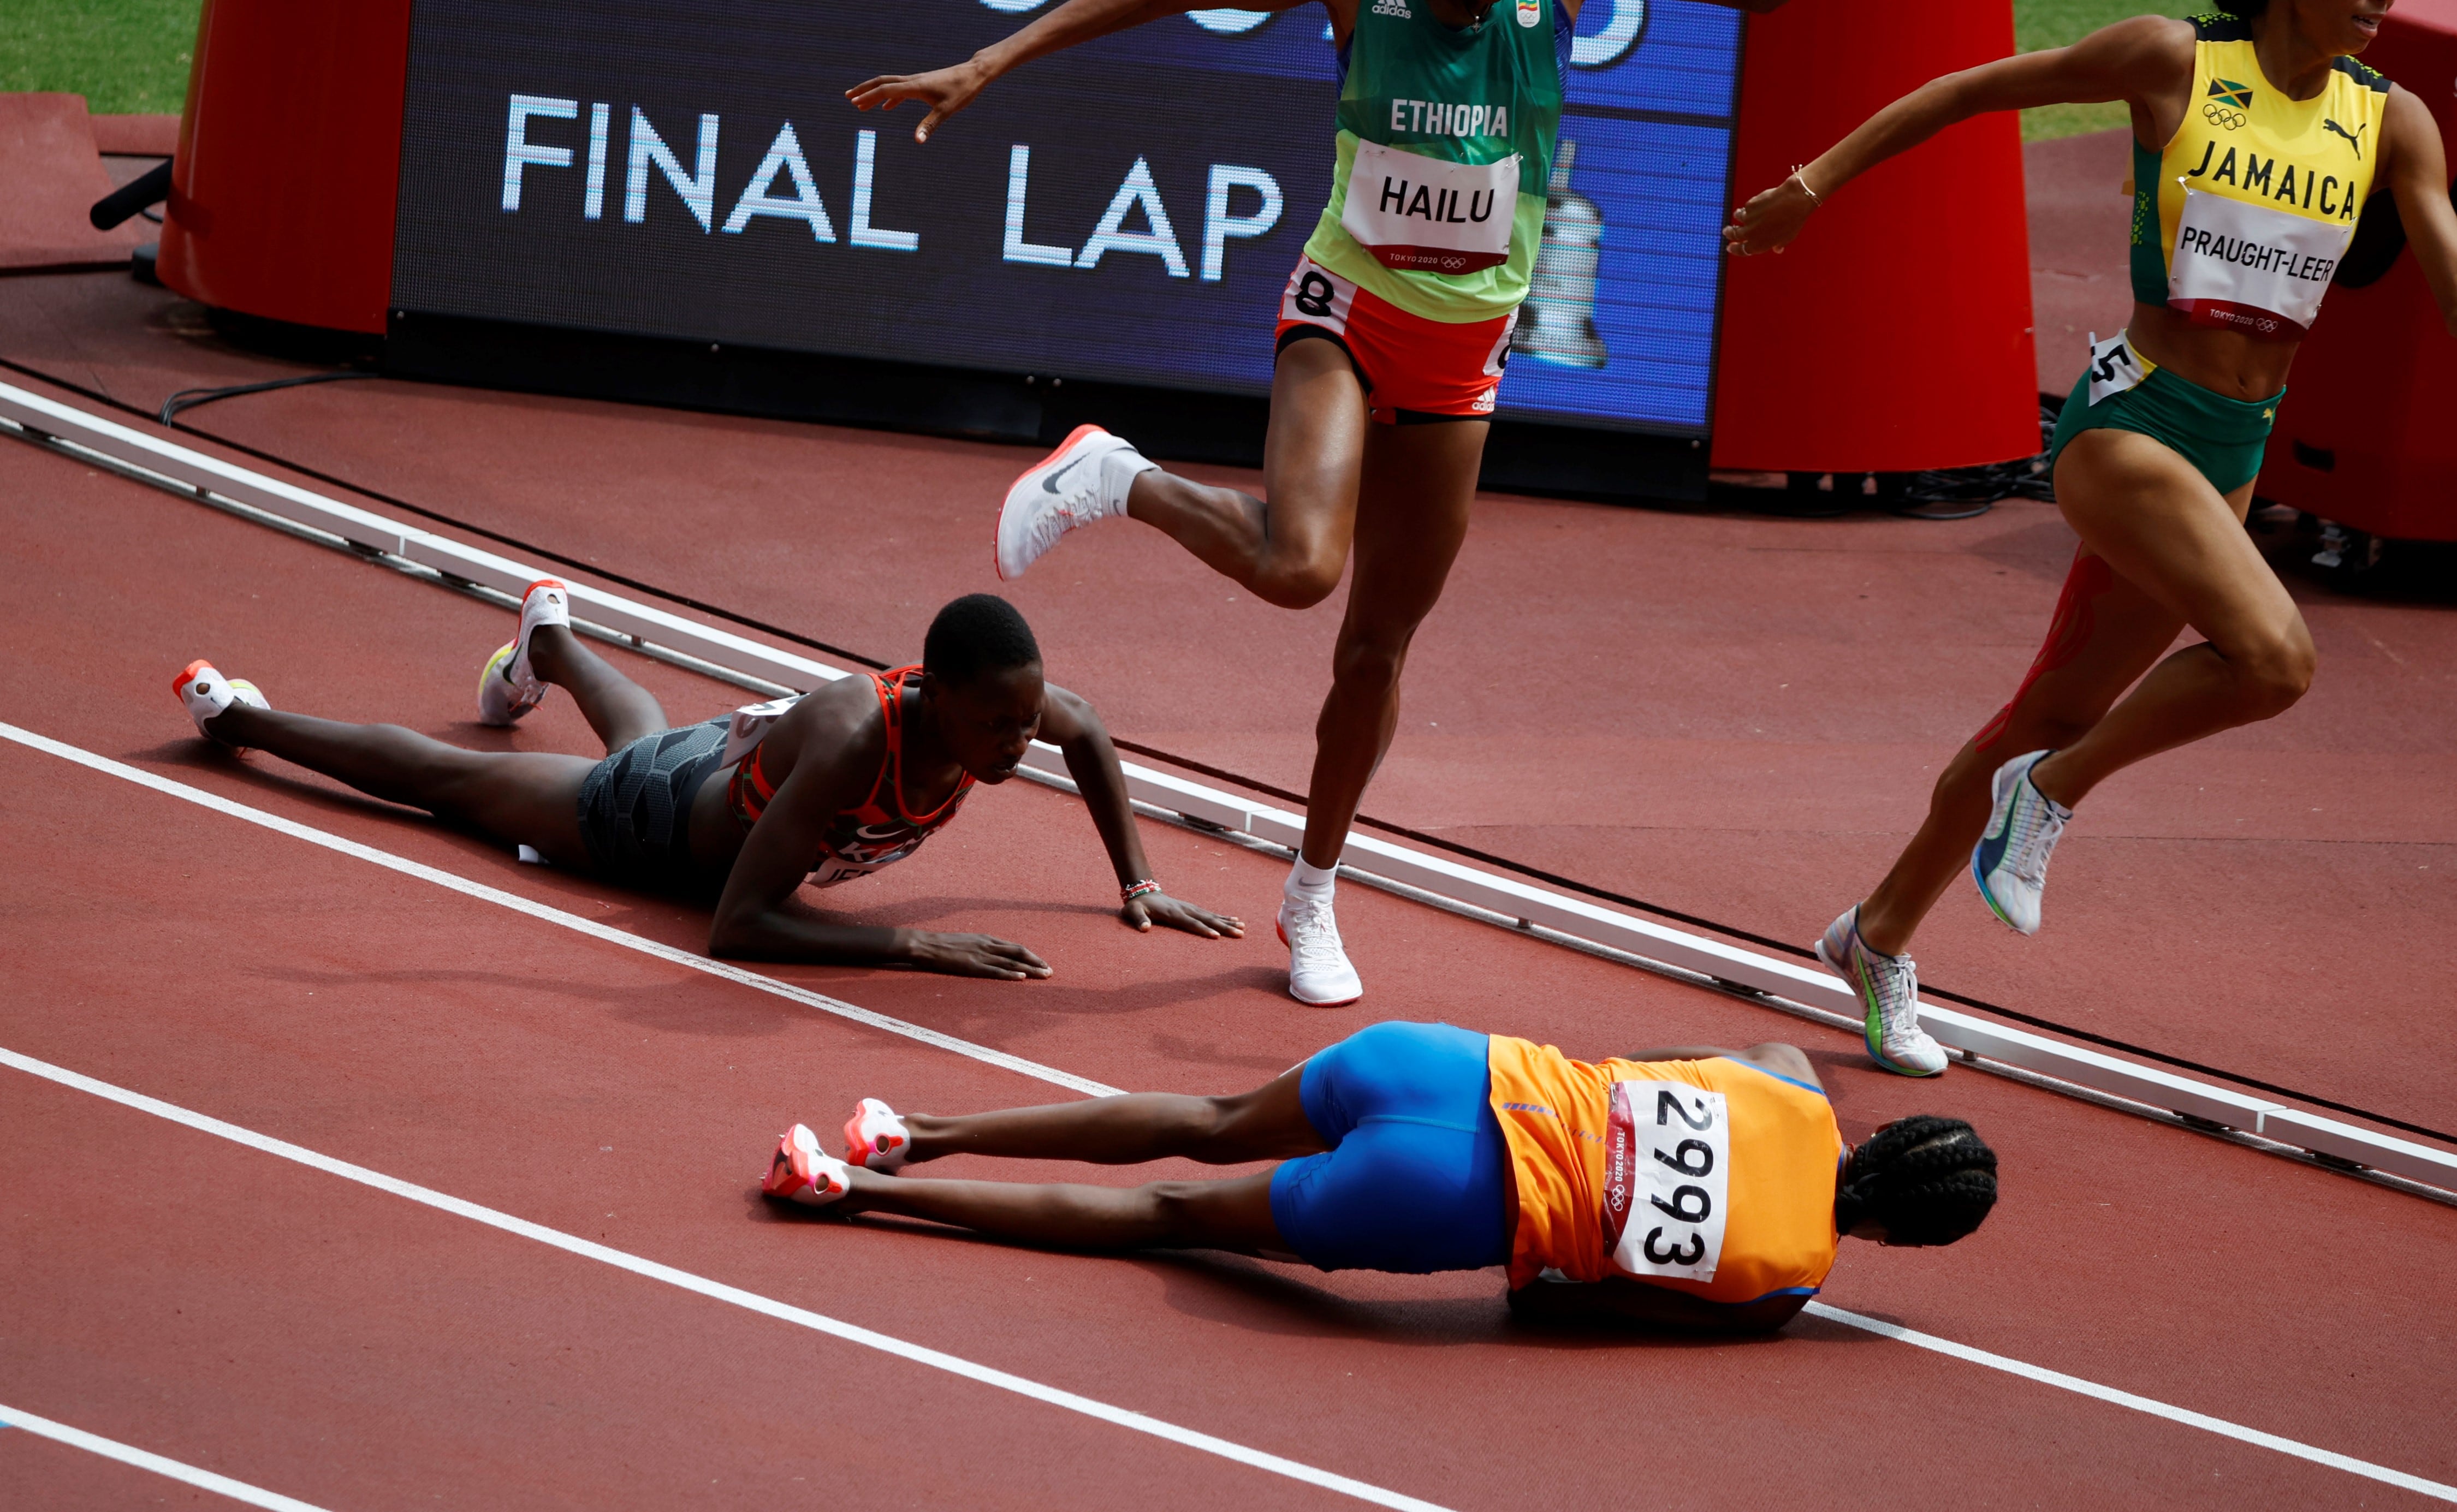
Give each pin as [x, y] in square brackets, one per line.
[240, 1313]
[1737, 717]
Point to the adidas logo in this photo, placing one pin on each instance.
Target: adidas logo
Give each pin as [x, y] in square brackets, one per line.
[1397, 10]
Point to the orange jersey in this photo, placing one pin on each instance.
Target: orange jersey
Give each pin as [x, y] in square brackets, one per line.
[1714, 1177]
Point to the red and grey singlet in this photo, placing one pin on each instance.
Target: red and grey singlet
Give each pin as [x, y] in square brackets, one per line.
[876, 832]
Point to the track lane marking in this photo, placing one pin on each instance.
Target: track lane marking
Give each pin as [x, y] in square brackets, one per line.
[148, 1460]
[2138, 1403]
[720, 1291]
[553, 915]
[103, 763]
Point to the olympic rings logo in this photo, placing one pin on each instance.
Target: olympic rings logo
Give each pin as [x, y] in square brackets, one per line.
[2218, 114]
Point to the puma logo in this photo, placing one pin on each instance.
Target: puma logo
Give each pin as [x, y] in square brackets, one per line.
[2354, 138]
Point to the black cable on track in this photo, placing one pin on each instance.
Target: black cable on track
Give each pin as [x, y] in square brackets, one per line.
[190, 399]
[1253, 784]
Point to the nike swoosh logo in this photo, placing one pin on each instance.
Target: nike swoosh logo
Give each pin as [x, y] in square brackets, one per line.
[1049, 485]
[1991, 845]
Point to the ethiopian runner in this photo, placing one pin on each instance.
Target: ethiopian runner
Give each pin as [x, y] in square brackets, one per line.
[1392, 336]
[2258, 139]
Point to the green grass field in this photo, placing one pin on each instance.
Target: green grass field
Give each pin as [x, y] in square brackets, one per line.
[131, 55]
[2053, 23]
[127, 57]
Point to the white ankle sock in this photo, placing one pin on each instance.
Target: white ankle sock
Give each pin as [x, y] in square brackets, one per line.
[1303, 877]
[1119, 471]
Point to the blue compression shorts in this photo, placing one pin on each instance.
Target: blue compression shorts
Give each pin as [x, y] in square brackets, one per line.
[1416, 1179]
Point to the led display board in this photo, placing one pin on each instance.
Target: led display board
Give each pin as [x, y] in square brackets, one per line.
[1128, 210]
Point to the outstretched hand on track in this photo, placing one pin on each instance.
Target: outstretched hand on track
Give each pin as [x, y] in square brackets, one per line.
[1159, 907]
[976, 955]
[945, 90]
[1769, 221]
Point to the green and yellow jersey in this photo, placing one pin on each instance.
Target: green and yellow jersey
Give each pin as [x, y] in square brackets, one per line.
[2240, 222]
[1446, 140]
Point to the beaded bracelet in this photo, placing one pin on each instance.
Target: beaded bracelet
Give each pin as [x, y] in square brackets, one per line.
[1133, 891]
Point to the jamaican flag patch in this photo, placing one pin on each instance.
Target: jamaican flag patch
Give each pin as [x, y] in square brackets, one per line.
[2228, 92]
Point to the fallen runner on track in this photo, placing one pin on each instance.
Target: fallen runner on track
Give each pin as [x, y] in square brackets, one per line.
[747, 807]
[1687, 1187]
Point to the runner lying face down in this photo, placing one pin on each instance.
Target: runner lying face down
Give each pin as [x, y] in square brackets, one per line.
[746, 807]
[1688, 1187]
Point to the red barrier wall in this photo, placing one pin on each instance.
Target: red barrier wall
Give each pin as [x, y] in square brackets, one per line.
[2364, 437]
[1895, 334]
[283, 188]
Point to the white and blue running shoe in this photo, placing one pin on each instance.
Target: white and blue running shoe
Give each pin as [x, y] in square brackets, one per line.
[1889, 988]
[2011, 861]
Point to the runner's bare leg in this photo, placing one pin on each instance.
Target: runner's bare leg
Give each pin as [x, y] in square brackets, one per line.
[2128, 633]
[617, 708]
[2160, 526]
[1265, 1124]
[1233, 1215]
[1290, 551]
[2163, 520]
[1419, 490]
[518, 797]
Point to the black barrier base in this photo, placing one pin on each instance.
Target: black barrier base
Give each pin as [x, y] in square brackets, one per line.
[1172, 425]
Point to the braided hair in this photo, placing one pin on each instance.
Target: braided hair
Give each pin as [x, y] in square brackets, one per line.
[1928, 1180]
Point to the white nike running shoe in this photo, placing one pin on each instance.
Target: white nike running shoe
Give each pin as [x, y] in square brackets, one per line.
[876, 1138]
[1889, 988]
[508, 686]
[1055, 494]
[801, 1172]
[1318, 970]
[202, 687]
[2011, 861]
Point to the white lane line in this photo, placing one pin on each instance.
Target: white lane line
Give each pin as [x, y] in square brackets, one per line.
[2144, 1404]
[147, 1459]
[553, 915]
[462, 884]
[817, 1323]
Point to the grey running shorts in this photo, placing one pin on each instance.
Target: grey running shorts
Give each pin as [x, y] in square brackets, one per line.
[635, 808]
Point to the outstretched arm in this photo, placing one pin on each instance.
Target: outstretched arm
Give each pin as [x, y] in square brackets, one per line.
[1774, 1055]
[1069, 722]
[2418, 174]
[947, 91]
[2146, 62]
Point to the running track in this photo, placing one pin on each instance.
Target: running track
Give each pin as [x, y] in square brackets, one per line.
[1736, 717]
[352, 1348]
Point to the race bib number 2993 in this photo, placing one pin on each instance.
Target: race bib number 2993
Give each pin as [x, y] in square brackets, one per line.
[1667, 1179]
